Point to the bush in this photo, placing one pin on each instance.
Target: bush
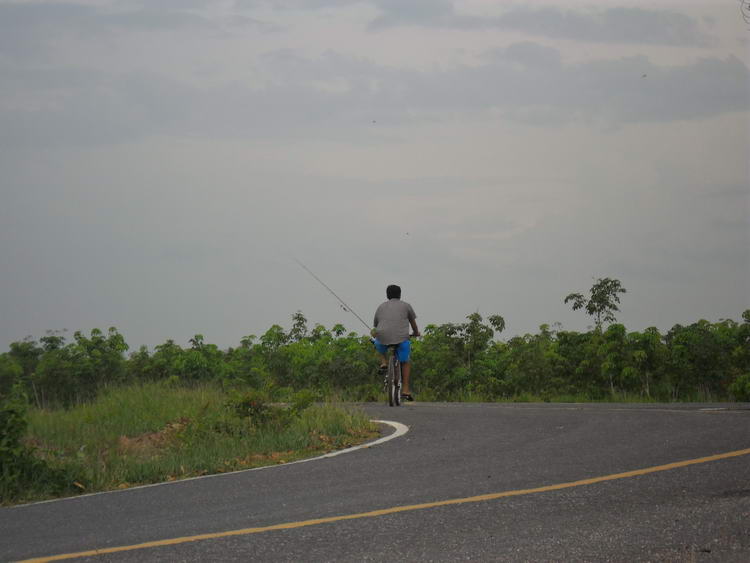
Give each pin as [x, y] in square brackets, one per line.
[252, 404]
[20, 470]
[741, 388]
[302, 400]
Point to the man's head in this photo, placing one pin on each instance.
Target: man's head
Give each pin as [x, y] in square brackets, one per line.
[393, 292]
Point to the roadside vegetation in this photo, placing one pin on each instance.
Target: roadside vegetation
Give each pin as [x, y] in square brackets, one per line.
[88, 413]
[155, 432]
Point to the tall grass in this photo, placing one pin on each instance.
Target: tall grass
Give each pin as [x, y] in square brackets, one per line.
[151, 433]
[121, 411]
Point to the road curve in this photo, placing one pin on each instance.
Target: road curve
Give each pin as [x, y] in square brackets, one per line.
[468, 481]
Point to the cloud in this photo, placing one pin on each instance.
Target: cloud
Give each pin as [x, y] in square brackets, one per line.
[613, 25]
[527, 55]
[607, 25]
[73, 17]
[32, 29]
[302, 96]
[438, 13]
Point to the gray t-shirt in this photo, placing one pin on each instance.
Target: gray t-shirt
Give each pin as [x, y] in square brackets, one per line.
[392, 321]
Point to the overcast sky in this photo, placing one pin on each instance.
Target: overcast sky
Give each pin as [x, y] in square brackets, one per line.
[163, 162]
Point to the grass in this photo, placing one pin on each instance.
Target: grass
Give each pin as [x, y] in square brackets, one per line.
[152, 433]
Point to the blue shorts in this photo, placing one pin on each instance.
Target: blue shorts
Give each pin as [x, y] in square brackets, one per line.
[403, 350]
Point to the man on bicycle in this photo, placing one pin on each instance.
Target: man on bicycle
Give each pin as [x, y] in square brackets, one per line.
[392, 320]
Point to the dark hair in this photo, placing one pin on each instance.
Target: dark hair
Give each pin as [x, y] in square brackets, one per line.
[393, 292]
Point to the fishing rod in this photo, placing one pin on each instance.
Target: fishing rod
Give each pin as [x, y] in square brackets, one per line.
[343, 305]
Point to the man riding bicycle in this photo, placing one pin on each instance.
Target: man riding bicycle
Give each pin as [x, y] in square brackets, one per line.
[392, 320]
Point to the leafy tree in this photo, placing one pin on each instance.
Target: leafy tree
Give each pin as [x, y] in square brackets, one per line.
[533, 365]
[26, 353]
[319, 332]
[440, 359]
[299, 327]
[73, 372]
[248, 341]
[588, 372]
[274, 338]
[648, 356]
[140, 366]
[451, 358]
[699, 358]
[202, 362]
[104, 354]
[497, 322]
[476, 335]
[165, 361]
[11, 373]
[54, 378]
[614, 351]
[53, 340]
[603, 301]
[246, 365]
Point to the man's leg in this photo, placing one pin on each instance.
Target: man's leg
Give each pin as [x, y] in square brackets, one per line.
[404, 356]
[405, 372]
[382, 351]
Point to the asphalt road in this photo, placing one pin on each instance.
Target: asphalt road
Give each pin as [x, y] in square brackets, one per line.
[698, 512]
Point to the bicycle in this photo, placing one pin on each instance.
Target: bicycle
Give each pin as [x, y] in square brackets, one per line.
[392, 382]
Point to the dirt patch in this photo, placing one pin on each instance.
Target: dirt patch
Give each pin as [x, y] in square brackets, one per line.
[150, 444]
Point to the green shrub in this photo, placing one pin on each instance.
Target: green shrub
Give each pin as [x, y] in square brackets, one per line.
[740, 389]
[251, 404]
[20, 469]
[302, 400]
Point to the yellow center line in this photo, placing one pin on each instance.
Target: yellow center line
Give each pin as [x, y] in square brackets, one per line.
[393, 510]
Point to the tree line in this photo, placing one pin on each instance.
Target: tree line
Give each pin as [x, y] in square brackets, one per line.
[452, 361]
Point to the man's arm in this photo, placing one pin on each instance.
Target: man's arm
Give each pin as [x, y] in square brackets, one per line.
[414, 327]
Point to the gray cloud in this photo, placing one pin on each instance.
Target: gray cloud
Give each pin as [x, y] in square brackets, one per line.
[529, 55]
[296, 4]
[29, 30]
[613, 25]
[76, 17]
[32, 29]
[26, 30]
[607, 25]
[520, 77]
[526, 81]
[438, 13]
[56, 107]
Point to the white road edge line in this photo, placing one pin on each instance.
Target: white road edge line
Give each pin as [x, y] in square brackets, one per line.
[400, 430]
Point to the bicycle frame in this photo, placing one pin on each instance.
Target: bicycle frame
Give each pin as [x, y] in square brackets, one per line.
[393, 378]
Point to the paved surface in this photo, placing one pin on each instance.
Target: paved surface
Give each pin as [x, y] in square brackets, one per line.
[452, 451]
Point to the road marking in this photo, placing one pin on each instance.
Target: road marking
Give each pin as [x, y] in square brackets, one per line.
[393, 510]
[400, 430]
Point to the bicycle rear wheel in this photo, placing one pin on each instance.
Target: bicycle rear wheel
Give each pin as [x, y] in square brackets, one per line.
[391, 382]
[397, 383]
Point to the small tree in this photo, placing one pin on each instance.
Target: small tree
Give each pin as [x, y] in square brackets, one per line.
[603, 302]
[299, 327]
[497, 322]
